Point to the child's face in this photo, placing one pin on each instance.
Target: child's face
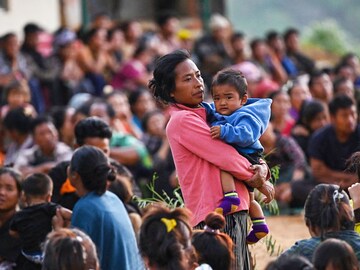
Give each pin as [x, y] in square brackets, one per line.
[227, 99]
[16, 99]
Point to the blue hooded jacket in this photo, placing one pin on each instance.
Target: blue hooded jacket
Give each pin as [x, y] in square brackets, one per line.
[243, 128]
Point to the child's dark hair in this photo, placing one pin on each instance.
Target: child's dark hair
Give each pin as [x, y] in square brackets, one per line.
[335, 252]
[15, 174]
[353, 164]
[19, 87]
[165, 238]
[69, 249]
[340, 102]
[37, 185]
[91, 127]
[93, 167]
[327, 208]
[212, 246]
[19, 119]
[163, 82]
[230, 77]
[293, 262]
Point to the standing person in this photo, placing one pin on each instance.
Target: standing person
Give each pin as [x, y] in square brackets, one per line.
[34, 222]
[178, 81]
[100, 213]
[239, 121]
[10, 191]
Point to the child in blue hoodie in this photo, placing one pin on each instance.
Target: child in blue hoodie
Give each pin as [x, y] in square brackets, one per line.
[239, 121]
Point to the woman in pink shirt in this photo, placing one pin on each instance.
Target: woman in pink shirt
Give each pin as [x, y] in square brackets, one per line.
[199, 158]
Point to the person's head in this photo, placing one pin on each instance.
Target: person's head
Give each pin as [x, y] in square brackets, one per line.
[64, 43]
[229, 91]
[95, 38]
[37, 186]
[120, 103]
[344, 86]
[10, 189]
[69, 249]
[259, 49]
[100, 108]
[10, 45]
[280, 104]
[291, 39]
[18, 121]
[335, 253]
[177, 80]
[101, 20]
[298, 93]
[353, 164]
[165, 238]
[90, 170]
[320, 86]
[63, 121]
[238, 43]
[122, 187]
[212, 246]
[275, 41]
[314, 114]
[293, 262]
[153, 123]
[93, 131]
[141, 101]
[44, 134]
[327, 209]
[132, 30]
[168, 24]
[219, 27]
[343, 114]
[31, 34]
[17, 93]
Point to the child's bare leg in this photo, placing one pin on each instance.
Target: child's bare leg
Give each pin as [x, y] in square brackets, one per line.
[230, 202]
[259, 227]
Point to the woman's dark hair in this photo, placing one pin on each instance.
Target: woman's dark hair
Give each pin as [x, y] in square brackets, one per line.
[69, 249]
[337, 253]
[309, 110]
[122, 186]
[15, 174]
[19, 119]
[91, 127]
[163, 82]
[93, 167]
[293, 262]
[327, 208]
[165, 238]
[212, 246]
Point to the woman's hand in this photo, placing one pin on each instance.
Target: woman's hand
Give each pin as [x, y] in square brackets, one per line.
[354, 191]
[268, 190]
[259, 178]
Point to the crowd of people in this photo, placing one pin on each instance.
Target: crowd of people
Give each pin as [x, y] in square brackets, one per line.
[117, 107]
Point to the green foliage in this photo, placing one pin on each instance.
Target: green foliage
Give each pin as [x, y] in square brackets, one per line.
[272, 247]
[328, 36]
[160, 198]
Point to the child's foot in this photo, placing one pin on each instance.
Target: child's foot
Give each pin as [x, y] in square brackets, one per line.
[229, 203]
[259, 230]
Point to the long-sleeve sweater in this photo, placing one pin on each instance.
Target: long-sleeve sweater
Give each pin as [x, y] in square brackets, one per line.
[243, 128]
[199, 160]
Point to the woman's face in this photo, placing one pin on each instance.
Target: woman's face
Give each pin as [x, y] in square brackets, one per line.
[145, 103]
[189, 85]
[319, 121]
[9, 194]
[298, 94]
[156, 125]
[281, 105]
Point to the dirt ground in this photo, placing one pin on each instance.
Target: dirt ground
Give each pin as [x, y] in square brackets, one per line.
[284, 232]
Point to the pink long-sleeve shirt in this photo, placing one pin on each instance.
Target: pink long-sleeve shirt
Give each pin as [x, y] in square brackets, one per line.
[199, 159]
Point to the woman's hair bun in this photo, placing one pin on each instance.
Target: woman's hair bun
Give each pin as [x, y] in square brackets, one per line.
[215, 221]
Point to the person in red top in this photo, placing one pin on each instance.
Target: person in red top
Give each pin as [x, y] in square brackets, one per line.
[199, 158]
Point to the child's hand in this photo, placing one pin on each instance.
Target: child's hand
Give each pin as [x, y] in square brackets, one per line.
[268, 190]
[215, 132]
